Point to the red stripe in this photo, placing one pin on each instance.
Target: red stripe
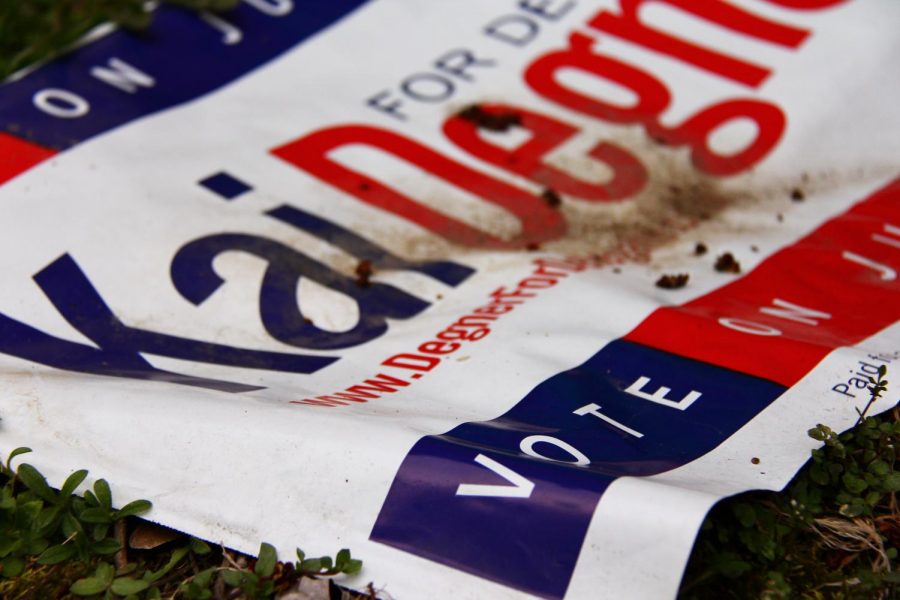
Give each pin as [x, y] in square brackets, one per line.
[814, 273]
[17, 156]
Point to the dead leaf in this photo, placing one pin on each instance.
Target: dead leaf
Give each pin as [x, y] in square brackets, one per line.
[147, 536]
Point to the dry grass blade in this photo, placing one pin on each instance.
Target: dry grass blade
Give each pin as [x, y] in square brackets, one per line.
[854, 536]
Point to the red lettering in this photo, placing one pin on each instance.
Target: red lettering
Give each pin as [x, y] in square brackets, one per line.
[539, 222]
[653, 98]
[416, 362]
[769, 119]
[547, 133]
[369, 389]
[652, 95]
[629, 26]
[439, 347]
[807, 4]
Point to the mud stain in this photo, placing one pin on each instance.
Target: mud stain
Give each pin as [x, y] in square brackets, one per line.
[675, 199]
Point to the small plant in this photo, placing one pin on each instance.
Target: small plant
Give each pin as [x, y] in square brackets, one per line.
[34, 30]
[834, 532]
[55, 543]
[37, 521]
[878, 387]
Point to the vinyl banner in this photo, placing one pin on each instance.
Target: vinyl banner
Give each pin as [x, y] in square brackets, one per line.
[501, 295]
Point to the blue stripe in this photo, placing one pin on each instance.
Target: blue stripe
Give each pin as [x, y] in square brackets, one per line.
[185, 55]
[532, 543]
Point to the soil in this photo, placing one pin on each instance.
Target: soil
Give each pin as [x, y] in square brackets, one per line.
[492, 121]
[552, 199]
[675, 199]
[672, 282]
[726, 263]
[364, 273]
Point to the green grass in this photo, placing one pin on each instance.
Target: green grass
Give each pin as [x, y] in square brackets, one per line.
[56, 543]
[32, 31]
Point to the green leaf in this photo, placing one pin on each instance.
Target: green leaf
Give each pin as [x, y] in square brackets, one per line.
[104, 495]
[36, 545]
[134, 508]
[818, 474]
[232, 577]
[204, 578]
[879, 467]
[72, 482]
[70, 525]
[36, 482]
[310, 565]
[89, 586]
[9, 545]
[47, 517]
[892, 482]
[12, 566]
[106, 572]
[96, 515]
[104, 547]
[99, 531]
[818, 433]
[265, 564]
[56, 554]
[352, 566]
[125, 586]
[199, 547]
[854, 484]
[7, 501]
[28, 513]
[730, 565]
[342, 557]
[17, 452]
[745, 514]
[174, 559]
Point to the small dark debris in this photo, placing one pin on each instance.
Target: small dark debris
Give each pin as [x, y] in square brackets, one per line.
[754, 248]
[490, 121]
[754, 460]
[552, 199]
[364, 186]
[797, 195]
[364, 273]
[533, 246]
[780, 217]
[672, 282]
[440, 296]
[617, 270]
[700, 249]
[307, 321]
[727, 264]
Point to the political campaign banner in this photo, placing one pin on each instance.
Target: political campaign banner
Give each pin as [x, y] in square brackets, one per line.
[503, 296]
